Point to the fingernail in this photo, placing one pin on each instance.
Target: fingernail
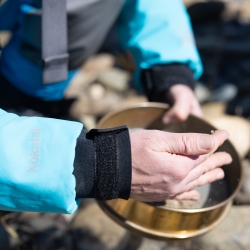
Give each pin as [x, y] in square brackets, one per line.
[220, 176]
[205, 142]
[228, 160]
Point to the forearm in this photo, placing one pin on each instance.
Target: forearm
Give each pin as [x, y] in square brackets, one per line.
[39, 155]
[158, 34]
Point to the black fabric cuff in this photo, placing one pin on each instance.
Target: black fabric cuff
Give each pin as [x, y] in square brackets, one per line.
[162, 77]
[102, 166]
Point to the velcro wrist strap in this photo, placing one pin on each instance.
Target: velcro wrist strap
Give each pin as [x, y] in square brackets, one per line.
[110, 164]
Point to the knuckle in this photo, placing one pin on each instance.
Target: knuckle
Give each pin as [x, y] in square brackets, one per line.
[175, 190]
[188, 144]
[165, 179]
[181, 175]
[204, 169]
[194, 185]
[185, 143]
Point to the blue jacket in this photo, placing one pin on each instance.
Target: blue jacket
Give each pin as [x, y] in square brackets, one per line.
[37, 154]
[154, 33]
[36, 159]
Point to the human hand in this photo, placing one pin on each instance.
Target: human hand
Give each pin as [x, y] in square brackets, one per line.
[184, 103]
[170, 165]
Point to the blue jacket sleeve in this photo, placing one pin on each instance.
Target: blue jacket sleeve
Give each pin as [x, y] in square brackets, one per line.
[158, 32]
[36, 164]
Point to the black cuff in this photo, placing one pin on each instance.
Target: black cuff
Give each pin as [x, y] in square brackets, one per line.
[162, 77]
[102, 166]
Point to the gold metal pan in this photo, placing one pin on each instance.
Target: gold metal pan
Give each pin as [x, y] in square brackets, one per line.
[162, 220]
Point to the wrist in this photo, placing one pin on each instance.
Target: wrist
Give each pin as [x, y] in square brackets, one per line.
[107, 162]
[160, 78]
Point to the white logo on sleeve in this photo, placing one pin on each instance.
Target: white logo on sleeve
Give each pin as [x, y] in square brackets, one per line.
[35, 149]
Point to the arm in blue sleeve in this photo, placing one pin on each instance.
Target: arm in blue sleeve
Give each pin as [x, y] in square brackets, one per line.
[157, 33]
[36, 164]
[48, 165]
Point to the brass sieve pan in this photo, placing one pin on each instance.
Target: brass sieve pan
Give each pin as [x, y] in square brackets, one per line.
[159, 220]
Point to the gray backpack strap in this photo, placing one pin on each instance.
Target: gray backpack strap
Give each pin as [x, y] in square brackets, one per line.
[54, 41]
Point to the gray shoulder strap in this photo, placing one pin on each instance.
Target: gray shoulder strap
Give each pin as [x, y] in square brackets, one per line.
[54, 41]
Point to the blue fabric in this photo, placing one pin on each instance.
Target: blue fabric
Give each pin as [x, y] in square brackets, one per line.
[158, 32]
[36, 164]
[26, 8]
[27, 76]
[20, 71]
[8, 14]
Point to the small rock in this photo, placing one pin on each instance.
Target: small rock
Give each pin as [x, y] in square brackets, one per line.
[244, 15]
[148, 244]
[89, 121]
[238, 129]
[86, 105]
[99, 63]
[114, 78]
[89, 72]
[4, 37]
[237, 9]
[225, 93]
[95, 230]
[45, 221]
[97, 91]
[213, 109]
[243, 196]
[79, 84]
[202, 92]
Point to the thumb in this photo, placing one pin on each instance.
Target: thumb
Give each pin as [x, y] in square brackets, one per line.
[180, 110]
[182, 107]
[193, 144]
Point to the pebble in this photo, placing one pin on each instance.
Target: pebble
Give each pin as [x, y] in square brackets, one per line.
[202, 92]
[88, 105]
[238, 129]
[4, 37]
[115, 78]
[99, 232]
[97, 91]
[88, 74]
[79, 84]
[99, 63]
[89, 121]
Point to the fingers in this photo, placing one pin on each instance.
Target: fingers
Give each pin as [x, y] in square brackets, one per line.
[168, 164]
[211, 172]
[214, 161]
[190, 195]
[185, 103]
[207, 172]
[193, 144]
[211, 176]
[219, 137]
[181, 108]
